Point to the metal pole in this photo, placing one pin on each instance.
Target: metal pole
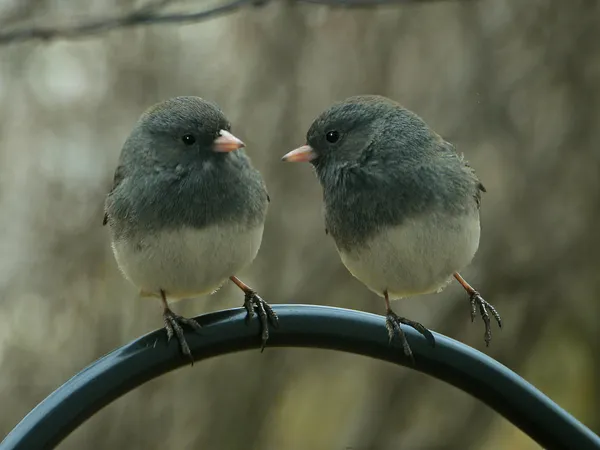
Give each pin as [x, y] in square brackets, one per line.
[300, 326]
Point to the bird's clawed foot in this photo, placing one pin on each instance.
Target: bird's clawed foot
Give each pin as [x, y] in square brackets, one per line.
[393, 322]
[173, 325]
[484, 307]
[252, 301]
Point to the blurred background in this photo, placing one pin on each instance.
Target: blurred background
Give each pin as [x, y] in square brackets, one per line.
[515, 85]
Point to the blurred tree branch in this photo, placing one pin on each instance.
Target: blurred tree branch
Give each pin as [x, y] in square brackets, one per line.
[367, 3]
[148, 14]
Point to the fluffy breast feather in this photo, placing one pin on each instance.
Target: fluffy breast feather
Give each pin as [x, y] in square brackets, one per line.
[416, 257]
[188, 262]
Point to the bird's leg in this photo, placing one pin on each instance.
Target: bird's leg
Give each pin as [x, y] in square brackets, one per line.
[477, 300]
[392, 323]
[173, 324]
[253, 301]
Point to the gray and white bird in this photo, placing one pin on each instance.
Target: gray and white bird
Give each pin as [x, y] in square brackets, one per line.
[401, 205]
[187, 209]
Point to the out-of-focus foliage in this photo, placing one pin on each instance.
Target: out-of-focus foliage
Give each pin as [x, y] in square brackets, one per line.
[514, 84]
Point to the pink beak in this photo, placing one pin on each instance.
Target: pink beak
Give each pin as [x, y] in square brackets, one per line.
[227, 142]
[301, 154]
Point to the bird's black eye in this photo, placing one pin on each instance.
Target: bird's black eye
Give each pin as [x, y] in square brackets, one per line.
[188, 139]
[332, 136]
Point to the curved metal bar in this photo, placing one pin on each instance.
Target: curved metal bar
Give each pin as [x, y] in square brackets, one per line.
[300, 326]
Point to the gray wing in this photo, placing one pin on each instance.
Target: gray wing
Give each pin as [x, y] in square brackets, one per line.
[479, 185]
[118, 178]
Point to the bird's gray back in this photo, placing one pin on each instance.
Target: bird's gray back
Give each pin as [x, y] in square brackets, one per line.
[362, 199]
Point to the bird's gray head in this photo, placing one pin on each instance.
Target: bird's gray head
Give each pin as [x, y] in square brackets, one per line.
[350, 132]
[179, 131]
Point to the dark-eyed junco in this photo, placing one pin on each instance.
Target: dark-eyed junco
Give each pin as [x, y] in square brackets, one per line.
[187, 209]
[400, 203]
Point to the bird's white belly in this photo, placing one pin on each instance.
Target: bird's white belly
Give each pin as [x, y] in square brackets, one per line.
[416, 257]
[189, 262]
